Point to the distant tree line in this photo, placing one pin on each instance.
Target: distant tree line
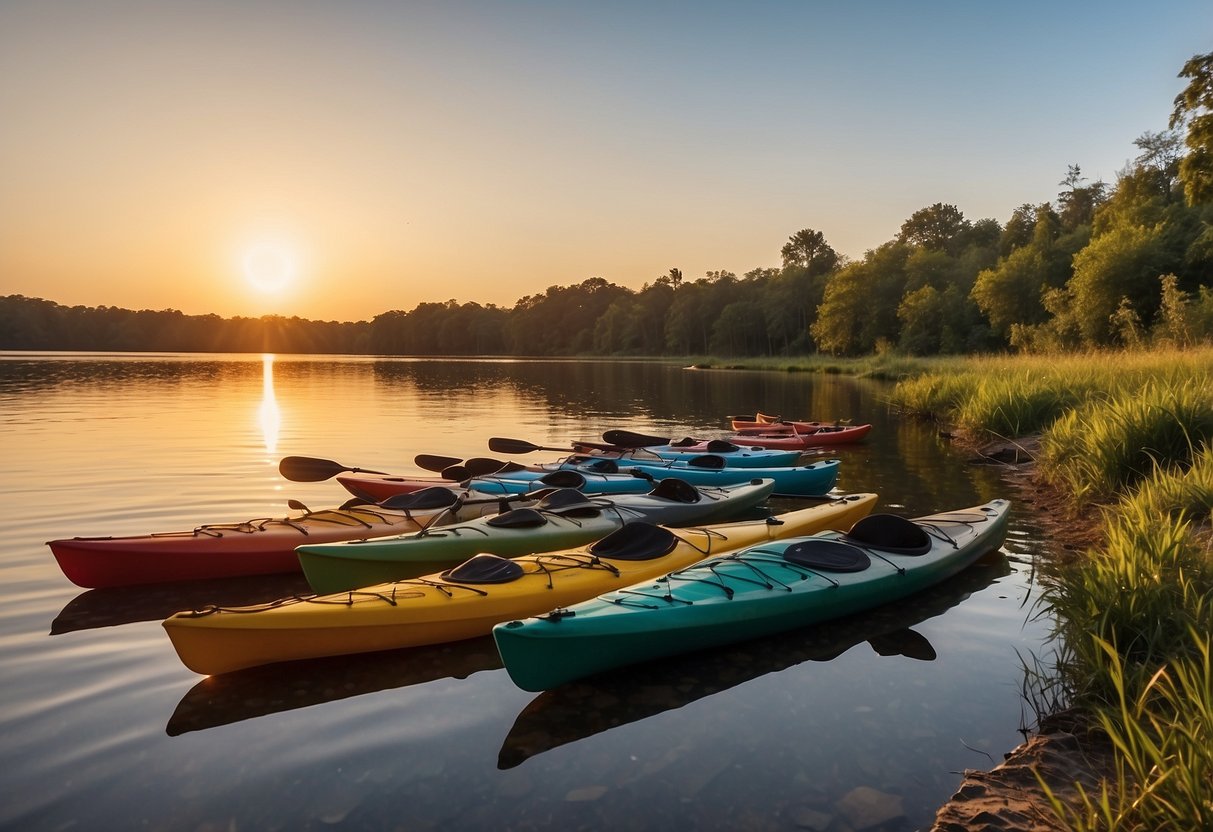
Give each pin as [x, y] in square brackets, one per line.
[1103, 265]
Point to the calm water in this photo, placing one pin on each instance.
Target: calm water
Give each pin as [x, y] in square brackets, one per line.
[103, 728]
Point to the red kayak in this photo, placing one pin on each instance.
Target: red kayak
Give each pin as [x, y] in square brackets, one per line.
[255, 547]
[774, 424]
[808, 438]
[786, 440]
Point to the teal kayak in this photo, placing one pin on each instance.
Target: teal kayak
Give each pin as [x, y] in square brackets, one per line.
[735, 456]
[809, 480]
[587, 481]
[754, 592]
[562, 520]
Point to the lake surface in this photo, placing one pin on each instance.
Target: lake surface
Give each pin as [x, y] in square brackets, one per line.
[102, 728]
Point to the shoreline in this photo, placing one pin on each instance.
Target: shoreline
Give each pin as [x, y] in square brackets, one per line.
[1061, 750]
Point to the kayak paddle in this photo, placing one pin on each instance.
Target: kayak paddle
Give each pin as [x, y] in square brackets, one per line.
[311, 469]
[430, 462]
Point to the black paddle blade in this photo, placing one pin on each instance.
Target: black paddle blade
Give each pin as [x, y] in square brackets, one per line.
[517, 446]
[431, 462]
[480, 466]
[630, 439]
[311, 469]
[456, 473]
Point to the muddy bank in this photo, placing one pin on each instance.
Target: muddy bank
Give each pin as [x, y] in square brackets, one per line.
[1010, 797]
[1061, 752]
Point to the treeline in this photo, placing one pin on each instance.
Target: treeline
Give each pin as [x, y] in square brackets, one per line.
[1100, 265]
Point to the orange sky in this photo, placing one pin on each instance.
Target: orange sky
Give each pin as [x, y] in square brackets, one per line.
[395, 153]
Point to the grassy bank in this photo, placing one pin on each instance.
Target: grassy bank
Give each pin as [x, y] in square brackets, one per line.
[1128, 438]
[886, 366]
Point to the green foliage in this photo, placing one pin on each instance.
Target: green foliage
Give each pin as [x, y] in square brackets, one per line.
[1194, 107]
[1133, 624]
[1176, 492]
[935, 227]
[1125, 262]
[807, 249]
[1083, 275]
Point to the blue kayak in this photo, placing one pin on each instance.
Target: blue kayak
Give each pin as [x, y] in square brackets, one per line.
[810, 480]
[587, 482]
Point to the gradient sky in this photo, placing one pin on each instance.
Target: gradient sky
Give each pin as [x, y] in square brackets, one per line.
[400, 152]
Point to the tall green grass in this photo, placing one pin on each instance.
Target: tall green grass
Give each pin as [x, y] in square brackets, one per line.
[1108, 446]
[1177, 492]
[1132, 432]
[1134, 621]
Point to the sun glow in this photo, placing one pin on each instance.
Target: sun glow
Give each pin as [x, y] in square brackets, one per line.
[269, 267]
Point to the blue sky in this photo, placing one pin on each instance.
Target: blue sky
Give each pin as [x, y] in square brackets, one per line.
[484, 151]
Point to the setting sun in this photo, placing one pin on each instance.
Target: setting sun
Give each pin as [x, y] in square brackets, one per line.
[269, 268]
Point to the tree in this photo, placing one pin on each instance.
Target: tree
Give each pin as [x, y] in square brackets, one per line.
[933, 227]
[1194, 108]
[808, 249]
[1018, 230]
[1125, 263]
[1078, 202]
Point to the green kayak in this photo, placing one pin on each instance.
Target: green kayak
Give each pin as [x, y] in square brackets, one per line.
[754, 592]
[563, 520]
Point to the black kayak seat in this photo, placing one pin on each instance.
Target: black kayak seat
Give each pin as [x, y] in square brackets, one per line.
[635, 541]
[709, 462]
[827, 555]
[602, 466]
[484, 569]
[684, 442]
[519, 518]
[722, 446]
[679, 491]
[563, 479]
[569, 502]
[563, 499]
[890, 533]
[433, 497]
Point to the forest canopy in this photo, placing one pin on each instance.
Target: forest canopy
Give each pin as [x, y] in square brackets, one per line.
[1100, 265]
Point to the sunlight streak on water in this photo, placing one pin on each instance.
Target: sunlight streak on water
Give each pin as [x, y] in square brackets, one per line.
[269, 416]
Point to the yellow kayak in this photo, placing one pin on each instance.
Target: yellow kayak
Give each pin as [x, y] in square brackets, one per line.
[468, 600]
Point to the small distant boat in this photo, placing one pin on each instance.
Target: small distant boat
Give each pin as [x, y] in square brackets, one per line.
[759, 421]
[757, 438]
[772, 436]
[753, 592]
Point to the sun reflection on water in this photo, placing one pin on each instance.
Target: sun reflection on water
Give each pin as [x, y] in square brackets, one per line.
[268, 415]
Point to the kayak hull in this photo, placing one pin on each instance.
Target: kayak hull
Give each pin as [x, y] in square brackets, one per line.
[434, 609]
[772, 436]
[337, 567]
[379, 487]
[812, 480]
[255, 547]
[722, 600]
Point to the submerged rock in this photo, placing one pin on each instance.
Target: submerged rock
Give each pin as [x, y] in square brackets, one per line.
[866, 808]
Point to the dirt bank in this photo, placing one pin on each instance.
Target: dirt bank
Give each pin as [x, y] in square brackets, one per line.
[1061, 752]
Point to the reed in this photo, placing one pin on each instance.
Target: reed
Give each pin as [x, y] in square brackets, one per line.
[1132, 432]
[1133, 622]
[1163, 736]
[1108, 446]
[1178, 492]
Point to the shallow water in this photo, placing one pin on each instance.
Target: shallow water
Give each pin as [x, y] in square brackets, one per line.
[103, 728]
